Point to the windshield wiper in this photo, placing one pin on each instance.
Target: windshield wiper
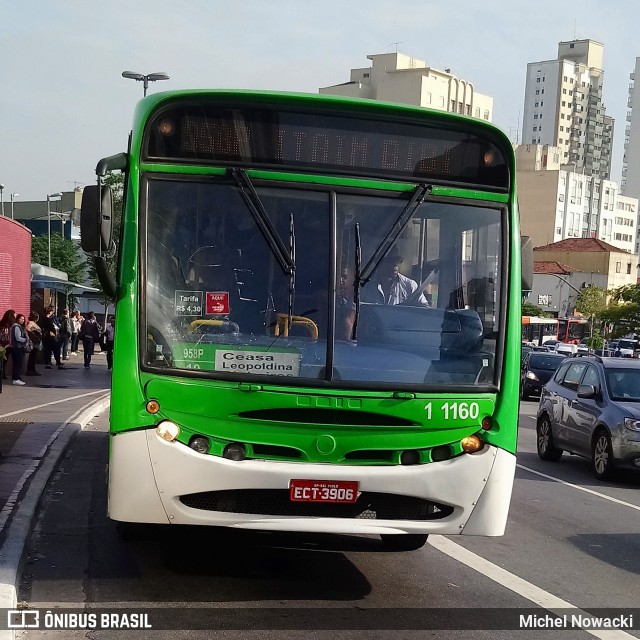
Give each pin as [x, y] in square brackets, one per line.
[362, 276]
[255, 206]
[419, 194]
[356, 283]
[292, 270]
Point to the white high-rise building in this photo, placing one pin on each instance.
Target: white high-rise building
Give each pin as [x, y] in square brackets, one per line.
[557, 204]
[563, 107]
[396, 77]
[631, 160]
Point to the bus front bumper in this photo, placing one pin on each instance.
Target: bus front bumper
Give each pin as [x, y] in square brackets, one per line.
[150, 480]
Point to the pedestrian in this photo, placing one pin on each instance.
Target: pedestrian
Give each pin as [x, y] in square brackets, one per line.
[90, 334]
[20, 344]
[50, 338]
[6, 323]
[66, 329]
[76, 323]
[35, 334]
[108, 340]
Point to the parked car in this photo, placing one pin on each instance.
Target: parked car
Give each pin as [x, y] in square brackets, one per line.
[628, 348]
[537, 368]
[566, 349]
[591, 407]
[550, 345]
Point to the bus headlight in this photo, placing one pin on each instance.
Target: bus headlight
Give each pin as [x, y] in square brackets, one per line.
[471, 444]
[200, 444]
[168, 430]
[234, 451]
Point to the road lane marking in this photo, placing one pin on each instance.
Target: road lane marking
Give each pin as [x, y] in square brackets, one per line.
[48, 404]
[519, 585]
[577, 486]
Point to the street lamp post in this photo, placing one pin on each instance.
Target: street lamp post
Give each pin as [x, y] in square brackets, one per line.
[145, 79]
[57, 196]
[13, 195]
[2, 199]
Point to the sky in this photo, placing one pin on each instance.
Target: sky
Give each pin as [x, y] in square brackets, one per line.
[64, 103]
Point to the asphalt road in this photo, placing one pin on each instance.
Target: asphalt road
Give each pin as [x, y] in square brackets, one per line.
[572, 544]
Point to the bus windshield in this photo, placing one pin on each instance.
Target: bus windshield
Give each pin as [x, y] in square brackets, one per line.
[229, 296]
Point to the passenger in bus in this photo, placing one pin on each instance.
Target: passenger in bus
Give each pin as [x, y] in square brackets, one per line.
[390, 286]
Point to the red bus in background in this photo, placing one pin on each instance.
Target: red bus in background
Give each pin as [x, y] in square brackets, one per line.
[572, 330]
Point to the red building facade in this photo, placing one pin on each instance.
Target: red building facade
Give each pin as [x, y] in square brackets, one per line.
[15, 266]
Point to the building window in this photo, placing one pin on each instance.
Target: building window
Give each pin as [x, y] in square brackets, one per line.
[628, 268]
[618, 267]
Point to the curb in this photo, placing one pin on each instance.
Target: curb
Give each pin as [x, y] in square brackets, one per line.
[22, 518]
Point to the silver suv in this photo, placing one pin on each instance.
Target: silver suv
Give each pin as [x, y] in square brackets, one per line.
[591, 407]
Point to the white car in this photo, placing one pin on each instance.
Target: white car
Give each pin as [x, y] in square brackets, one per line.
[567, 349]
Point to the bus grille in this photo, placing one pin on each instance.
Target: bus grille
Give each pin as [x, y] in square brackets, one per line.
[276, 502]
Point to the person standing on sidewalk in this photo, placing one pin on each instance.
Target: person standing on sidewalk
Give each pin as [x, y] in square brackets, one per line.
[51, 341]
[108, 340]
[90, 334]
[66, 330]
[19, 342]
[6, 323]
[76, 323]
[35, 334]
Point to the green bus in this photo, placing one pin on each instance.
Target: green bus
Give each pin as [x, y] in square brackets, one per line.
[318, 316]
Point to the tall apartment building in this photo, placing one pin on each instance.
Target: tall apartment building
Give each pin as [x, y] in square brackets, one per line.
[557, 203]
[631, 160]
[396, 77]
[563, 107]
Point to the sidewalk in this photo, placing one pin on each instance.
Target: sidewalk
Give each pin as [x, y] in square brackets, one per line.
[32, 417]
[37, 423]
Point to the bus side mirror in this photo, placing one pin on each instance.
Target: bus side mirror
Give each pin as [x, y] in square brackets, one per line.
[96, 216]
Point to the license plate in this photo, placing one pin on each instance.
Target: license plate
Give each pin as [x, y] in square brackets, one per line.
[344, 491]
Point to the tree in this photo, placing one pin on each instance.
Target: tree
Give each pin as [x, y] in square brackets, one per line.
[623, 312]
[591, 302]
[116, 182]
[529, 309]
[64, 255]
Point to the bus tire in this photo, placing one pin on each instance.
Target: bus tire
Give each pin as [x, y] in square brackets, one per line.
[403, 541]
[544, 440]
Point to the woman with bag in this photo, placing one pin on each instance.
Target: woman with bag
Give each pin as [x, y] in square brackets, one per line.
[35, 334]
[20, 344]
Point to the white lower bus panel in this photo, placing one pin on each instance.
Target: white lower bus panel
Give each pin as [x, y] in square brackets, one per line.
[154, 481]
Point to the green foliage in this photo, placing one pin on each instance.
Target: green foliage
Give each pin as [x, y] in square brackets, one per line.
[529, 309]
[623, 317]
[628, 293]
[596, 341]
[623, 312]
[64, 255]
[116, 182]
[591, 301]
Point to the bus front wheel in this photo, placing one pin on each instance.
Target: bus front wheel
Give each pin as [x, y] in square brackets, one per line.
[403, 541]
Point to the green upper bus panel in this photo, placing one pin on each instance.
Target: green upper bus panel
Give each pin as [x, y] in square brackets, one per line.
[326, 136]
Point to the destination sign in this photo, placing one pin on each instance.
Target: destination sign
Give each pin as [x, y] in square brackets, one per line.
[323, 139]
